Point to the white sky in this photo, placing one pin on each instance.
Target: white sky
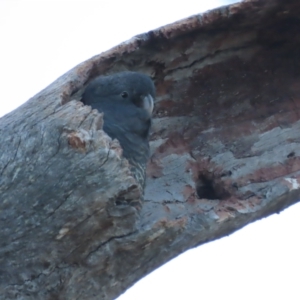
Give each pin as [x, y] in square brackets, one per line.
[41, 40]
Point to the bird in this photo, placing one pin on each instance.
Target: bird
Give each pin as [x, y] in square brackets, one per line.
[126, 100]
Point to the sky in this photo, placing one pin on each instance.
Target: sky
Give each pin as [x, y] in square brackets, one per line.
[41, 40]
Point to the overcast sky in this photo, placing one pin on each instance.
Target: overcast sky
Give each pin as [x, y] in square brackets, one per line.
[41, 40]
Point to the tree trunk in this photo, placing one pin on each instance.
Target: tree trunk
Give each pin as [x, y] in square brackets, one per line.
[225, 152]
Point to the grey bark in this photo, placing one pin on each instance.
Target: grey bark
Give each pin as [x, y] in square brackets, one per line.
[225, 152]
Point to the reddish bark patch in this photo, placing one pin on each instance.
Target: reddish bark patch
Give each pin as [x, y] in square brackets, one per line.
[279, 170]
[76, 141]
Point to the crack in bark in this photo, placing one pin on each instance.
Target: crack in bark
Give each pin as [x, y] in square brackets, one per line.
[57, 151]
[73, 228]
[10, 161]
[85, 117]
[212, 55]
[109, 240]
[39, 113]
[166, 201]
[59, 205]
[4, 168]
[18, 146]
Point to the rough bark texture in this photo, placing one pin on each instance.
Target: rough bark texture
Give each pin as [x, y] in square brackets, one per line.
[225, 152]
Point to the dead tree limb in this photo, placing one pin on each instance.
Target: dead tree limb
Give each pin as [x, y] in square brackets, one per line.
[225, 152]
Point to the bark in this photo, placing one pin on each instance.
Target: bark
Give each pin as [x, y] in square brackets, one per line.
[225, 152]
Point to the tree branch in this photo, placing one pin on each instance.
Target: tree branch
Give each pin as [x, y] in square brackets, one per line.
[225, 152]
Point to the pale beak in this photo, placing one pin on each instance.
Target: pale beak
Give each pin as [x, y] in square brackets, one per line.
[148, 103]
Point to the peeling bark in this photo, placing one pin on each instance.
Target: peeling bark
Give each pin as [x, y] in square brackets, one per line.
[225, 152]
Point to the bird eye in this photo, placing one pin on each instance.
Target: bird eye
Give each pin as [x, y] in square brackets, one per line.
[124, 95]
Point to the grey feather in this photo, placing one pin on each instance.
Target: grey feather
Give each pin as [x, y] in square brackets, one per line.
[127, 101]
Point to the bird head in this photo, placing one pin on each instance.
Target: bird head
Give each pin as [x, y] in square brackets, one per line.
[127, 89]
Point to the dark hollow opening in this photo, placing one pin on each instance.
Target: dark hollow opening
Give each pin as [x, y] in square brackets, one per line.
[209, 188]
[292, 154]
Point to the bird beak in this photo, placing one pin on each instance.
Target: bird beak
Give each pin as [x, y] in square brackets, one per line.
[148, 103]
